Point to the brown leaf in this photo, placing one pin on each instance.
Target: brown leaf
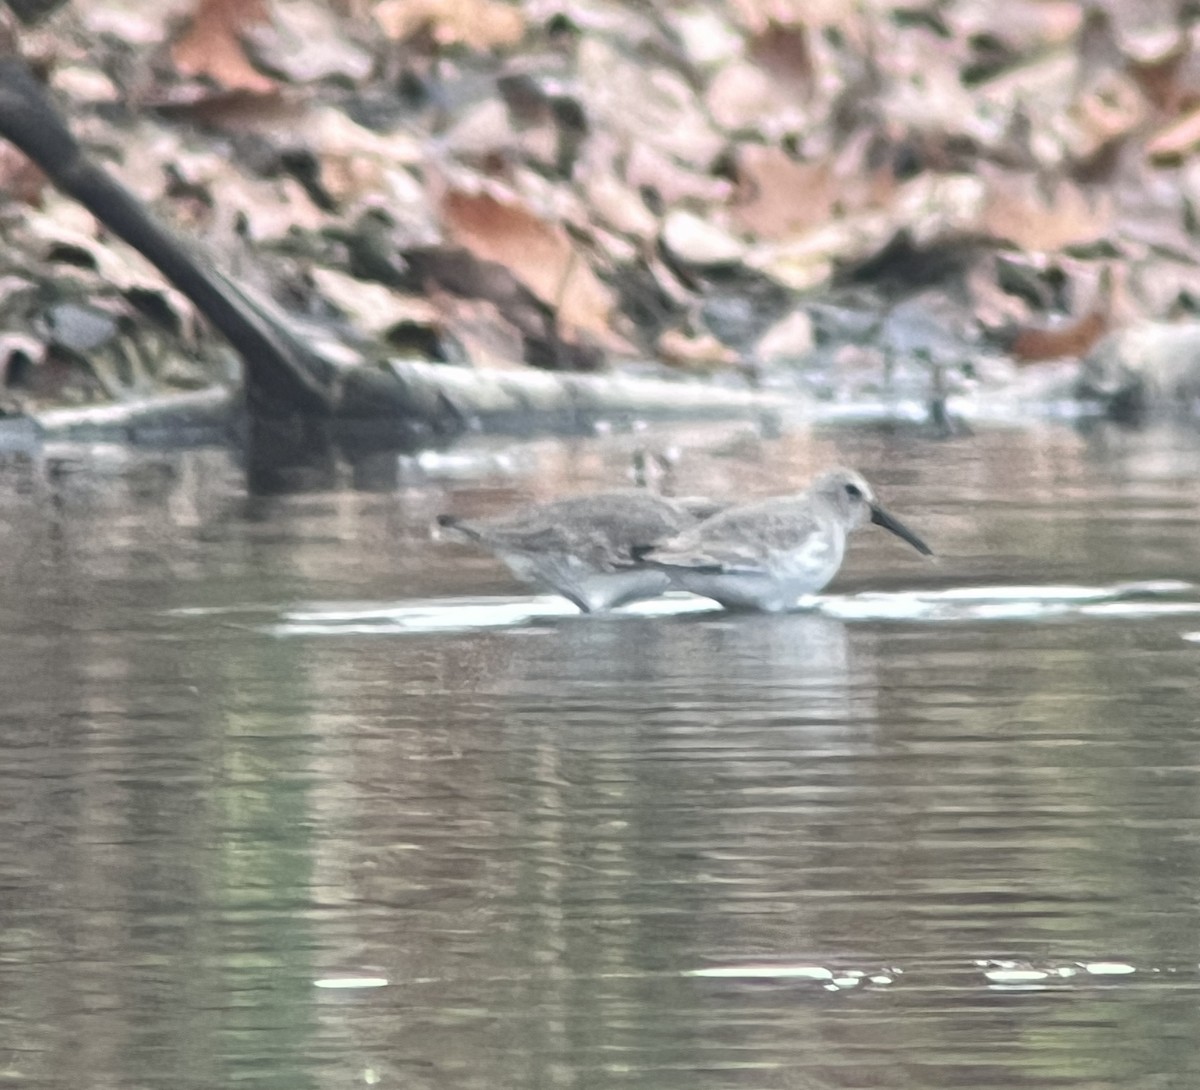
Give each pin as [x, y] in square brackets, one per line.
[741, 96]
[1072, 339]
[1176, 140]
[372, 308]
[790, 338]
[778, 196]
[1159, 79]
[237, 110]
[356, 163]
[1032, 216]
[20, 180]
[784, 53]
[696, 240]
[477, 24]
[481, 329]
[647, 107]
[306, 41]
[611, 200]
[212, 45]
[647, 168]
[1112, 110]
[701, 353]
[540, 254]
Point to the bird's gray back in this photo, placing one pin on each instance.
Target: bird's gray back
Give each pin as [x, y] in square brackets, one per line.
[599, 530]
[776, 524]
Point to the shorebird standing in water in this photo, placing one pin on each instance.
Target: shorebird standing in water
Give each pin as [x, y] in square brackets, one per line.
[768, 555]
[583, 547]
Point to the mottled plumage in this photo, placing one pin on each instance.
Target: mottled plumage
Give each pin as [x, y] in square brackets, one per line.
[583, 547]
[768, 555]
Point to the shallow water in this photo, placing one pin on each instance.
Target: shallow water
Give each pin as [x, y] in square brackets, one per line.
[295, 797]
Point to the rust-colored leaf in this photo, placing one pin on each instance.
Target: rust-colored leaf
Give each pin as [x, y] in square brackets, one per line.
[211, 45]
[540, 254]
[1072, 339]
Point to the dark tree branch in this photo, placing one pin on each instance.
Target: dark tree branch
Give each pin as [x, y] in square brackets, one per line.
[34, 11]
[283, 374]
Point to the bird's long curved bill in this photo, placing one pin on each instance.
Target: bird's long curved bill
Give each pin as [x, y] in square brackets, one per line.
[881, 518]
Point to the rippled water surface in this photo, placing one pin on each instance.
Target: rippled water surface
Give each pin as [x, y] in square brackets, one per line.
[293, 796]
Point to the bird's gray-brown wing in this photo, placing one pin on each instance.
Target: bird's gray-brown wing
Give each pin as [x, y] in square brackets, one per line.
[740, 539]
[600, 531]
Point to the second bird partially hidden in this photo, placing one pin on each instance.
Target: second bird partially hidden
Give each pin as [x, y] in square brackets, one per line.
[583, 547]
[768, 555]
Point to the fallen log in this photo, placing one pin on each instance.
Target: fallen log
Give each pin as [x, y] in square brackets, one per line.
[404, 403]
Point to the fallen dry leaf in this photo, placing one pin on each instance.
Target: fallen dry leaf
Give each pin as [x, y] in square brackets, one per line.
[612, 201]
[791, 338]
[60, 222]
[540, 254]
[707, 37]
[372, 308]
[1075, 337]
[357, 163]
[1173, 142]
[694, 240]
[1044, 217]
[784, 53]
[647, 168]
[237, 110]
[20, 180]
[306, 41]
[647, 106]
[477, 24]
[778, 196]
[1070, 340]
[481, 330]
[1146, 30]
[1026, 25]
[136, 26]
[212, 46]
[701, 353]
[1114, 109]
[1167, 82]
[1165, 287]
[741, 96]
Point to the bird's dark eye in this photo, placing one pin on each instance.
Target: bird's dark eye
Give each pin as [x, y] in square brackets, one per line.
[854, 492]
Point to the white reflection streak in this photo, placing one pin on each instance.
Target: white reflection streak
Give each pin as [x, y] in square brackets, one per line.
[995, 603]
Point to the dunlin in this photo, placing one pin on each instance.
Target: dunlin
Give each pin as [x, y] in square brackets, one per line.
[768, 555]
[583, 547]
